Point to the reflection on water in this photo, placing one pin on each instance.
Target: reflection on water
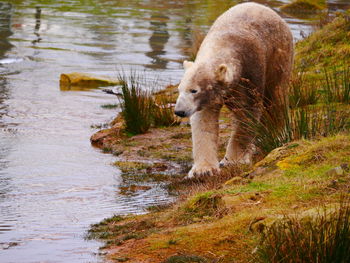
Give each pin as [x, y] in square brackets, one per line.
[157, 41]
[37, 25]
[5, 31]
[53, 184]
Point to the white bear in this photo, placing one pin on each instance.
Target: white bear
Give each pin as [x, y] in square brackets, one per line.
[247, 46]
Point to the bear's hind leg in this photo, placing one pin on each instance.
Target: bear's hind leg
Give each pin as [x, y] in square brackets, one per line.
[240, 148]
[238, 152]
[205, 132]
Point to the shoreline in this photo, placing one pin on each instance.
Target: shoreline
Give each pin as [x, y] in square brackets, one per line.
[223, 219]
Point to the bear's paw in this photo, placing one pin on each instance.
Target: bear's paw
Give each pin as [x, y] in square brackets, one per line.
[198, 171]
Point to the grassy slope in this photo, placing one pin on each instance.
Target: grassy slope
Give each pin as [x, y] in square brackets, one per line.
[223, 224]
[327, 47]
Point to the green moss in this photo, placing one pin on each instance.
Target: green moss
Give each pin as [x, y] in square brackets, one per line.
[128, 167]
[202, 206]
[329, 150]
[109, 106]
[283, 190]
[182, 135]
[185, 259]
[250, 187]
[293, 177]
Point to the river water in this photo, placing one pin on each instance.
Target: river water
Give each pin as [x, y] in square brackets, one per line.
[53, 183]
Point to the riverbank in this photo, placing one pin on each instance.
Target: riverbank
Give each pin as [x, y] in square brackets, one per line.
[223, 219]
[225, 223]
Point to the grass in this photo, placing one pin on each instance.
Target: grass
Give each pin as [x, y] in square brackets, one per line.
[326, 47]
[303, 6]
[203, 206]
[136, 104]
[337, 84]
[141, 110]
[322, 238]
[223, 224]
[163, 112]
[186, 259]
[301, 92]
[316, 109]
[197, 39]
[272, 209]
[109, 106]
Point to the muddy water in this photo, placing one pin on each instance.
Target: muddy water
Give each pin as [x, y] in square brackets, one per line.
[53, 184]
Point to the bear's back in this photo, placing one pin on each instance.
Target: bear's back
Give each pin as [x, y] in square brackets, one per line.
[250, 31]
[249, 19]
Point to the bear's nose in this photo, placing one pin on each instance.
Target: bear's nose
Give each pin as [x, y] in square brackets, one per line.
[180, 113]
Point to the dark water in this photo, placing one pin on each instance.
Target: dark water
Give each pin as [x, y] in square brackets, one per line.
[53, 184]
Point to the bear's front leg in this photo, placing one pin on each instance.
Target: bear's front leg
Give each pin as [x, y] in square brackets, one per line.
[205, 132]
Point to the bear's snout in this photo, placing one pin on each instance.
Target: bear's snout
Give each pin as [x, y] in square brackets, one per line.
[180, 113]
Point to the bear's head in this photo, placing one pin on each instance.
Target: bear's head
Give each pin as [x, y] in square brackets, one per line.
[202, 85]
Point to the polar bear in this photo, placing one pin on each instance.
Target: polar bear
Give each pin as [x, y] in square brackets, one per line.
[247, 46]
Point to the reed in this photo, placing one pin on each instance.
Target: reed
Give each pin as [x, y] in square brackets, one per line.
[163, 112]
[141, 109]
[322, 238]
[337, 84]
[302, 92]
[279, 124]
[136, 103]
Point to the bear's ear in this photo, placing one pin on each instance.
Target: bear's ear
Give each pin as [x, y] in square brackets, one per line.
[187, 64]
[225, 73]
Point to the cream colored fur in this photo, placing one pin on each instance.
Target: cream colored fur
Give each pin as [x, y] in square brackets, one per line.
[205, 132]
[249, 41]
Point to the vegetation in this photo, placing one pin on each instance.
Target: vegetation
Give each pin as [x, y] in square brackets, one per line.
[271, 212]
[163, 112]
[197, 39]
[109, 106]
[337, 85]
[228, 220]
[304, 6]
[326, 47]
[323, 238]
[136, 104]
[139, 108]
[316, 109]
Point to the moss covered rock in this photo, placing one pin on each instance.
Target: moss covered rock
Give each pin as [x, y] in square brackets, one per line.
[78, 81]
[304, 6]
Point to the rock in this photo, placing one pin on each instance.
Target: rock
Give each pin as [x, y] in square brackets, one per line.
[79, 81]
[303, 7]
[276, 155]
[336, 171]
[98, 137]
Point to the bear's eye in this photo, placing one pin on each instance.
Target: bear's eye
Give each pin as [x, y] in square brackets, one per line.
[193, 91]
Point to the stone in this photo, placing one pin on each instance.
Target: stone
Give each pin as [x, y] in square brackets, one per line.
[336, 171]
[79, 81]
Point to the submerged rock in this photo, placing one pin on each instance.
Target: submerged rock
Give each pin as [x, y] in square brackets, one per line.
[303, 7]
[79, 81]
